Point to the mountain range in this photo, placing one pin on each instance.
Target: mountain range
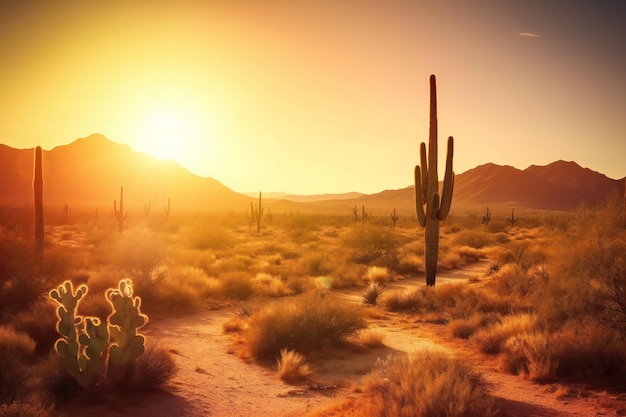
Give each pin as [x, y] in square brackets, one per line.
[91, 170]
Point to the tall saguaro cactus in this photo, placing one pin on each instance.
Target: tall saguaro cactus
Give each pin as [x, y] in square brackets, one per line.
[38, 200]
[429, 206]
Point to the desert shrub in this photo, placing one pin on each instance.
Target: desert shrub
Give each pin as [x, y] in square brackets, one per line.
[310, 322]
[476, 239]
[417, 301]
[154, 368]
[372, 293]
[314, 263]
[427, 383]
[237, 285]
[291, 366]
[51, 381]
[491, 340]
[142, 257]
[39, 322]
[23, 409]
[183, 291]
[206, 237]
[270, 285]
[410, 264]
[588, 351]
[529, 354]
[463, 328]
[370, 338]
[378, 274]
[347, 275]
[16, 350]
[370, 243]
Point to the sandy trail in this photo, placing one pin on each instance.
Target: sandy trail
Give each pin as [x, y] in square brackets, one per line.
[213, 381]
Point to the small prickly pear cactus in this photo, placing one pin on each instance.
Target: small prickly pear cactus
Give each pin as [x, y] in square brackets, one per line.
[486, 218]
[126, 319]
[430, 206]
[84, 355]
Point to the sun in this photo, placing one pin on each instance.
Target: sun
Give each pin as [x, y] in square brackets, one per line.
[166, 134]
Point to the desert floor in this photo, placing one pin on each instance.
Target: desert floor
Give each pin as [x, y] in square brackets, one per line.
[214, 380]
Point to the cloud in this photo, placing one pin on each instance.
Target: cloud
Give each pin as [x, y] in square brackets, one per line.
[529, 35]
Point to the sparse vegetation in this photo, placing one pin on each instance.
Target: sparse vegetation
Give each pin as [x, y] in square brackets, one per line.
[307, 323]
[550, 307]
[427, 383]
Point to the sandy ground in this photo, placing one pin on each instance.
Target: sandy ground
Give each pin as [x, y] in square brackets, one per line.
[212, 380]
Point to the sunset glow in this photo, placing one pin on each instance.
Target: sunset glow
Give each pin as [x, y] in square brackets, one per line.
[167, 134]
[310, 95]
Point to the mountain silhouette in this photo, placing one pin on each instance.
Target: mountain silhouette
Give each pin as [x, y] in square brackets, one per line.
[89, 172]
[557, 186]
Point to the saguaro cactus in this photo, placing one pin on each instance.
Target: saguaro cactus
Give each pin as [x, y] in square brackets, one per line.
[394, 217]
[257, 213]
[512, 220]
[429, 206]
[486, 218]
[38, 200]
[120, 216]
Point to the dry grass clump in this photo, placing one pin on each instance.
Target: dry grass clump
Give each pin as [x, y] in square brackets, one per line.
[371, 244]
[476, 239]
[373, 293]
[237, 285]
[418, 301]
[370, 338]
[491, 340]
[410, 264]
[153, 368]
[378, 274]
[463, 328]
[588, 351]
[292, 366]
[529, 354]
[427, 383]
[270, 285]
[307, 323]
[16, 350]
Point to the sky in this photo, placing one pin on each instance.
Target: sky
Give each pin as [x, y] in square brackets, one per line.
[326, 96]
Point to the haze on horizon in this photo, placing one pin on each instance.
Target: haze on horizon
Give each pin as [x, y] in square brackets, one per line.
[319, 97]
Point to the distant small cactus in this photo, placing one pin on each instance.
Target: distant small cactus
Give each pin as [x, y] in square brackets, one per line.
[486, 218]
[394, 217]
[120, 215]
[146, 209]
[257, 213]
[512, 220]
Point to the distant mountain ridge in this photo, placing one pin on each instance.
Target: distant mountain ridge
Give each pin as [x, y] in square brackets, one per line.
[90, 171]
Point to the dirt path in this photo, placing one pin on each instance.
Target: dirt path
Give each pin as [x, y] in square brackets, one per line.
[213, 381]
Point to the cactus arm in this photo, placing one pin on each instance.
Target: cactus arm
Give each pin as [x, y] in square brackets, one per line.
[424, 168]
[419, 198]
[448, 182]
